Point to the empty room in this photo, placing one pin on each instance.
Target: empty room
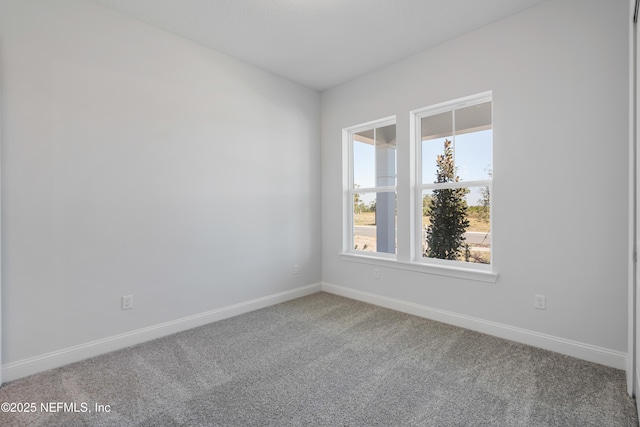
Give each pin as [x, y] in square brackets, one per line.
[337, 212]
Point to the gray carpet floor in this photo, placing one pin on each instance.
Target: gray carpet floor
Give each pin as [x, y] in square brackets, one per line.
[325, 360]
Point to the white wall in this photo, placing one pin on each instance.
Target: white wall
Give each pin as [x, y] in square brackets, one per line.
[137, 162]
[559, 75]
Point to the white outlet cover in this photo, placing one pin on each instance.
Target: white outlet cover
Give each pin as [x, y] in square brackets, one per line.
[127, 302]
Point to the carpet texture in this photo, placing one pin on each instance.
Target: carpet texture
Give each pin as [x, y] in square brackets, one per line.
[325, 360]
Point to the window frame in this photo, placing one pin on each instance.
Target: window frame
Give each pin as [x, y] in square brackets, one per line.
[416, 117]
[408, 256]
[350, 191]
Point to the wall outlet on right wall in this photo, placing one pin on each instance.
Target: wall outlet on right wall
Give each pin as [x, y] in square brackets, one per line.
[540, 302]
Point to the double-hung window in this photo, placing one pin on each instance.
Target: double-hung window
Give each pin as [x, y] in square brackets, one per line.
[451, 148]
[371, 193]
[454, 143]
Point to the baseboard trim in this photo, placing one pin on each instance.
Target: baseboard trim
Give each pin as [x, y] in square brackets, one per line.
[591, 353]
[635, 392]
[22, 368]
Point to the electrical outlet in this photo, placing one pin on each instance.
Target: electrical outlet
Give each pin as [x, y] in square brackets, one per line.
[127, 302]
[296, 269]
[376, 273]
[540, 302]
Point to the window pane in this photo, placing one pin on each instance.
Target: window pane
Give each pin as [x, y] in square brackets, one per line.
[473, 155]
[386, 222]
[386, 156]
[374, 222]
[455, 218]
[435, 131]
[364, 157]
[473, 140]
[474, 118]
[364, 221]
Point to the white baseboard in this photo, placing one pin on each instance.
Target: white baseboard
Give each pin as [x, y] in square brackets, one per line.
[591, 353]
[637, 374]
[629, 375]
[55, 359]
[22, 368]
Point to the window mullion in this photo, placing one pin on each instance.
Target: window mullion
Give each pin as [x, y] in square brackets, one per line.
[459, 184]
[453, 141]
[384, 189]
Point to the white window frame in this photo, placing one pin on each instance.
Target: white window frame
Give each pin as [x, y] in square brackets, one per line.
[410, 258]
[349, 191]
[416, 116]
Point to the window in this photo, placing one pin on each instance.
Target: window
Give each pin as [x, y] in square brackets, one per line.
[454, 181]
[450, 186]
[371, 188]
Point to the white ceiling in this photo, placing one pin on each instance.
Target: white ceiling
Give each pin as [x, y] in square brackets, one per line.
[319, 43]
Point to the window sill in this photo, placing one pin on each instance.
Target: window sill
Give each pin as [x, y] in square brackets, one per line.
[440, 270]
